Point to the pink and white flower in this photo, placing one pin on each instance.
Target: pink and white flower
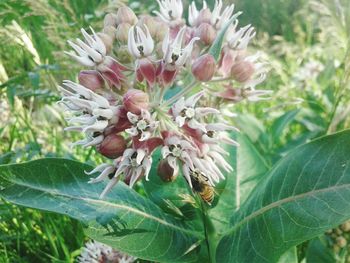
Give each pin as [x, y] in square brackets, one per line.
[170, 10]
[216, 132]
[220, 19]
[140, 42]
[193, 12]
[177, 150]
[142, 125]
[88, 54]
[186, 112]
[133, 164]
[141, 45]
[92, 113]
[175, 55]
[94, 252]
[92, 53]
[240, 39]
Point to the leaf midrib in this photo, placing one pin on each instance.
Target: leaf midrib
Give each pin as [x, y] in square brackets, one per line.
[281, 202]
[102, 202]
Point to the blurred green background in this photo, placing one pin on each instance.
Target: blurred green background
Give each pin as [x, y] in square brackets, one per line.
[305, 42]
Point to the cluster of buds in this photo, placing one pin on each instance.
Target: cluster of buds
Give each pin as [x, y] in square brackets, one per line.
[338, 240]
[94, 252]
[121, 103]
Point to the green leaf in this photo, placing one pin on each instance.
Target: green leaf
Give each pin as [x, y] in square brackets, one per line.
[170, 195]
[215, 49]
[318, 252]
[249, 166]
[290, 256]
[124, 219]
[282, 122]
[251, 126]
[220, 214]
[305, 194]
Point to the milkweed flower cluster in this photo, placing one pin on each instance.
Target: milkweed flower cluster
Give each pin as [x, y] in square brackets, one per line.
[96, 252]
[123, 103]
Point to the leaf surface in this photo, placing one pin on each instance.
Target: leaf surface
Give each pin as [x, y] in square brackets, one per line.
[249, 166]
[305, 194]
[124, 219]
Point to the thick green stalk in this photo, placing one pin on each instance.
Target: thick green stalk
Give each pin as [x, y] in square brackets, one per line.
[209, 232]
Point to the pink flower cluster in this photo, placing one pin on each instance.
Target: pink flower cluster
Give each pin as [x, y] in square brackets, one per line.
[120, 103]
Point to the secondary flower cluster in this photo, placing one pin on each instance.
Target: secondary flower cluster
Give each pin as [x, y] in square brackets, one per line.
[96, 252]
[125, 103]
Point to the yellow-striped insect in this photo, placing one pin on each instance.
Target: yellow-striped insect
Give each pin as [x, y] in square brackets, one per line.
[202, 186]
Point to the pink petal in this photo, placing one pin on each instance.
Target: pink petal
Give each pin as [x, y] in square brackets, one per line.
[227, 61]
[147, 70]
[168, 76]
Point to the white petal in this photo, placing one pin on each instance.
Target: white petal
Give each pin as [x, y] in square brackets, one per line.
[99, 168]
[135, 175]
[145, 114]
[178, 107]
[220, 127]
[95, 141]
[180, 121]
[97, 126]
[103, 175]
[145, 135]
[147, 164]
[140, 155]
[109, 186]
[98, 43]
[165, 151]
[194, 124]
[203, 111]
[191, 101]
[133, 118]
[107, 113]
[97, 57]
[85, 61]
[132, 131]
[186, 173]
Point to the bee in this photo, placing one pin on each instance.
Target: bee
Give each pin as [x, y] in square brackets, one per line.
[202, 186]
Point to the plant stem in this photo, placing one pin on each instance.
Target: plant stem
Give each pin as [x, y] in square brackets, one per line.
[181, 93]
[343, 81]
[209, 232]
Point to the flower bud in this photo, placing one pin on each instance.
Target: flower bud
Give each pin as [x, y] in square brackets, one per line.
[91, 79]
[112, 146]
[345, 226]
[110, 31]
[159, 50]
[150, 22]
[338, 231]
[134, 100]
[162, 30]
[122, 32]
[107, 40]
[166, 172]
[207, 33]
[126, 15]
[123, 55]
[242, 71]
[341, 241]
[204, 16]
[203, 68]
[110, 20]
